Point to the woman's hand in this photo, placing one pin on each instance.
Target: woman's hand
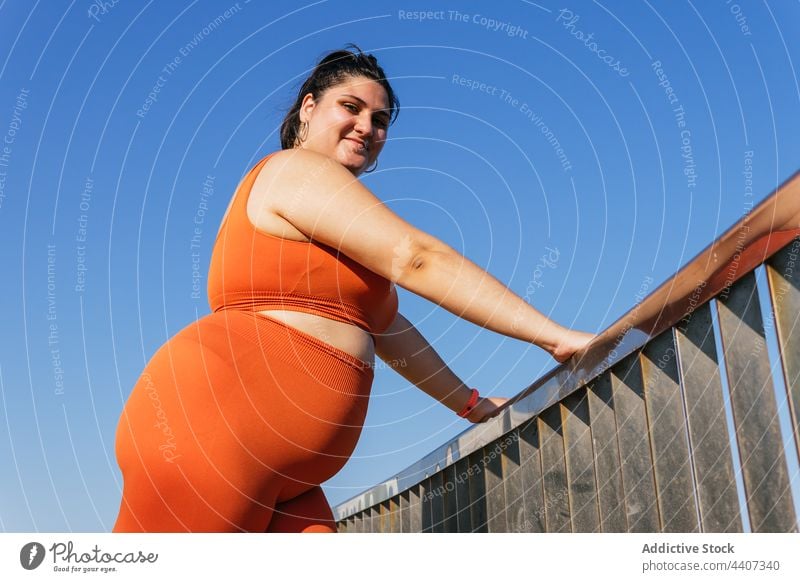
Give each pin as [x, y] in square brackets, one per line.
[571, 342]
[486, 408]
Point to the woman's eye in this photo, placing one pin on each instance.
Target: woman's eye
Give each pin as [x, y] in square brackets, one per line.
[378, 121]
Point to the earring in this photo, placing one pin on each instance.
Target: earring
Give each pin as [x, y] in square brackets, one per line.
[303, 133]
[373, 167]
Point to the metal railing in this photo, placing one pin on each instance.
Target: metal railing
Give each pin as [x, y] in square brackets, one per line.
[634, 435]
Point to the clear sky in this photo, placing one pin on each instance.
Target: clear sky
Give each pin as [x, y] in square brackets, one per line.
[613, 136]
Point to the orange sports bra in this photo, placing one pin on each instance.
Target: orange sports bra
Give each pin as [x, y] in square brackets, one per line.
[254, 270]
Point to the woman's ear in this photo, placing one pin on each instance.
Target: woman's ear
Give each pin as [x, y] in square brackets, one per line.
[306, 107]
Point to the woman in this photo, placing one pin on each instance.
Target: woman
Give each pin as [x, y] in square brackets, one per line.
[237, 419]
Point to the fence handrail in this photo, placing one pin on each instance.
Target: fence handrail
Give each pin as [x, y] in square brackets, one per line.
[753, 239]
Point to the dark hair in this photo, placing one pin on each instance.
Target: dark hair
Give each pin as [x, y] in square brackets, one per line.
[333, 69]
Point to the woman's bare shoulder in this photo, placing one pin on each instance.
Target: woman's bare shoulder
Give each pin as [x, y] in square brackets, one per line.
[277, 179]
[285, 164]
[289, 177]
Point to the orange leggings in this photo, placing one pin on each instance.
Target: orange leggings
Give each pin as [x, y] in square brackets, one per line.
[233, 425]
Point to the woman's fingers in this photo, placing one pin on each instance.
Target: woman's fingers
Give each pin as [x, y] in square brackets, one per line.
[487, 408]
[573, 342]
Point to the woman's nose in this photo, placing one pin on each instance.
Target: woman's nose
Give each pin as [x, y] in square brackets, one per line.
[364, 125]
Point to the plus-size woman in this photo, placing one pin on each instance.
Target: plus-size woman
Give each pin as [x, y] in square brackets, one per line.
[238, 419]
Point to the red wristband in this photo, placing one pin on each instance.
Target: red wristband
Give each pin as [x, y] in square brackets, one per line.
[470, 405]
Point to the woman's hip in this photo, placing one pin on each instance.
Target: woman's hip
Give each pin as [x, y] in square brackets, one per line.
[248, 386]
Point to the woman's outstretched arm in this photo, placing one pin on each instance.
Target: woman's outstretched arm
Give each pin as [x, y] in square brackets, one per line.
[407, 352]
[450, 279]
[324, 201]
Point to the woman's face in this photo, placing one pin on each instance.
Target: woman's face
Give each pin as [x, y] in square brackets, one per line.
[348, 123]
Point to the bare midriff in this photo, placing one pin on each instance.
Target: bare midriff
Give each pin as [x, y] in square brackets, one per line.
[344, 336]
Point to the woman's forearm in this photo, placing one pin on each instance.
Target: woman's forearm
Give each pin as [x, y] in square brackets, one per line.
[453, 281]
[407, 351]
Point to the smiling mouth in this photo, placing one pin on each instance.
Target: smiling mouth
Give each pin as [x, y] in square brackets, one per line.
[360, 146]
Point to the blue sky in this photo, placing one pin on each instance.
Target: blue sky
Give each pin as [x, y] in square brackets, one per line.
[615, 134]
